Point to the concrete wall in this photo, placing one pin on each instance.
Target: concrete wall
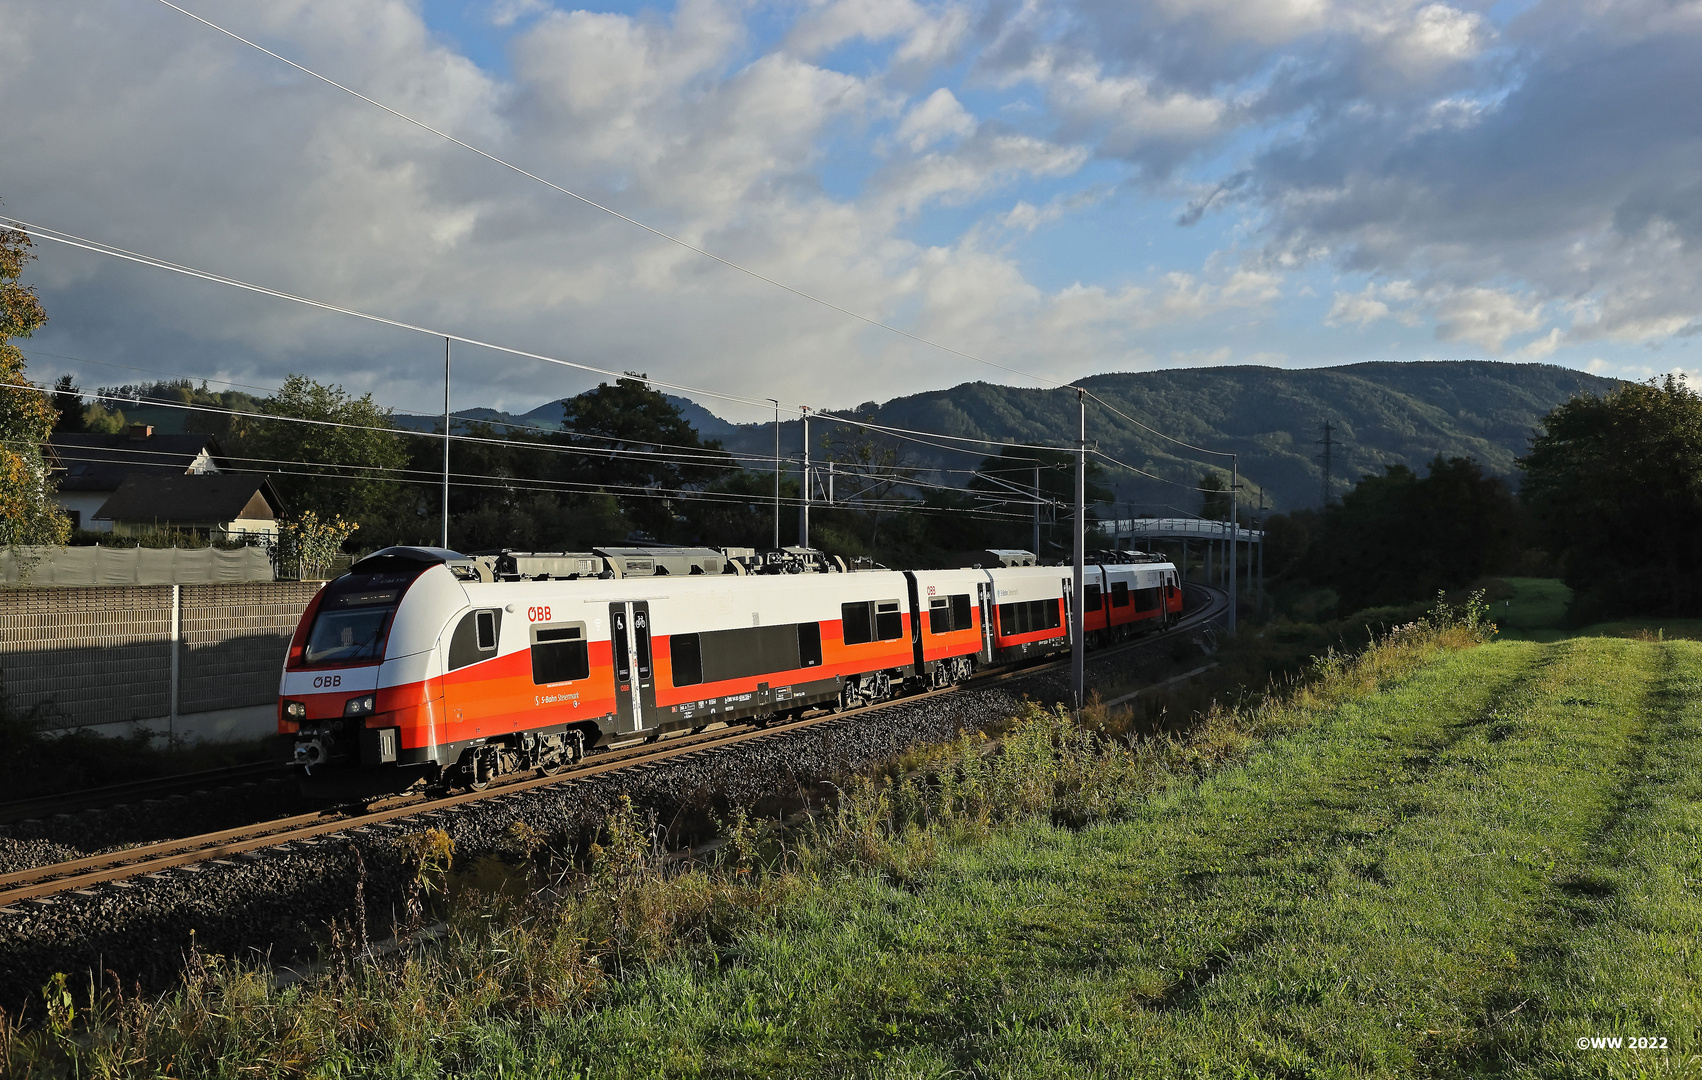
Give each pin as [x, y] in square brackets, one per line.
[101, 655]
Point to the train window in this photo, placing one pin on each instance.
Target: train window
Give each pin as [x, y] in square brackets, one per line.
[809, 644]
[1009, 620]
[751, 651]
[343, 636]
[559, 654]
[623, 661]
[1146, 599]
[855, 623]
[939, 615]
[641, 631]
[948, 613]
[889, 621]
[1094, 603]
[1119, 594]
[1044, 614]
[687, 652]
[474, 638]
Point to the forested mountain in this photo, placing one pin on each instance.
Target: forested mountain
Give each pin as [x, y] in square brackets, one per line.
[1382, 413]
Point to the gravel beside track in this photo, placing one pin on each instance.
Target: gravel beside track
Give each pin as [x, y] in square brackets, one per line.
[148, 820]
[276, 902]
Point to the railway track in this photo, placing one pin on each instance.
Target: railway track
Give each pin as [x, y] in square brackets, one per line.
[83, 875]
[131, 791]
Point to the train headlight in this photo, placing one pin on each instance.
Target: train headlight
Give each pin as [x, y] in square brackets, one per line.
[295, 710]
[360, 706]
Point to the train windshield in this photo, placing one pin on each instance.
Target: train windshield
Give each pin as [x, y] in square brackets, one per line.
[353, 623]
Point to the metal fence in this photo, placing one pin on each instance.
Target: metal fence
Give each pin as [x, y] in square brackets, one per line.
[79, 656]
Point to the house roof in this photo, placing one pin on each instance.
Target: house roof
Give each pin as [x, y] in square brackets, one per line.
[190, 499]
[101, 462]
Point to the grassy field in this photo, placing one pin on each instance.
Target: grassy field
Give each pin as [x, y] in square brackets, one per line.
[1537, 612]
[1464, 874]
[1457, 866]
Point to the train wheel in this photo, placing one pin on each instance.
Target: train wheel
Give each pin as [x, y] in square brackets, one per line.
[554, 759]
[476, 772]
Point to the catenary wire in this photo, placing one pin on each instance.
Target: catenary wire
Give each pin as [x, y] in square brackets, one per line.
[98, 247]
[708, 460]
[861, 470]
[1095, 451]
[355, 472]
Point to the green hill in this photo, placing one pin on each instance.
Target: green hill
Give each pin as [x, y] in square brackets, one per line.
[1383, 413]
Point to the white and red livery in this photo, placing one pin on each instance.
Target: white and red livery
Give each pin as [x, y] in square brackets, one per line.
[419, 664]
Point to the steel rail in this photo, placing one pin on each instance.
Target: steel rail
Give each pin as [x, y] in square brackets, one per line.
[134, 790]
[116, 866]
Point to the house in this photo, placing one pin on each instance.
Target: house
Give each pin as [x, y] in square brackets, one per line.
[220, 506]
[89, 468]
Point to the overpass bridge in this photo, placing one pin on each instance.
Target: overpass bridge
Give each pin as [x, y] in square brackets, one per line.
[1218, 545]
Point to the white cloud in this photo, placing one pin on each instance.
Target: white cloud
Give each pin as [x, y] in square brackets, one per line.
[1361, 309]
[1373, 303]
[505, 13]
[182, 145]
[1486, 317]
[1542, 347]
[978, 166]
[929, 37]
[938, 116]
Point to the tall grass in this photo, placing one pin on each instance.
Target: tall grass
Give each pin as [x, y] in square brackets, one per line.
[542, 935]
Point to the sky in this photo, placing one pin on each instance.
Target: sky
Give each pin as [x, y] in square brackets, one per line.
[1063, 188]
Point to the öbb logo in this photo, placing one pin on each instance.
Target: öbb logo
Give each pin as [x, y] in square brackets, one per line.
[322, 681]
[538, 614]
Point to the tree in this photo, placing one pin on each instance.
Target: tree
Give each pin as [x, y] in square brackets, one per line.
[1398, 538]
[210, 420]
[1614, 484]
[68, 403]
[351, 471]
[632, 438]
[868, 475]
[28, 514]
[1214, 498]
[314, 543]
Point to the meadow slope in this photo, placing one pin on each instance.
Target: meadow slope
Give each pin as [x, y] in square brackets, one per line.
[1443, 862]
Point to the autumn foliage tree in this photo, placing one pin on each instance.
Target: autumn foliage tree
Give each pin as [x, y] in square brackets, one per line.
[28, 514]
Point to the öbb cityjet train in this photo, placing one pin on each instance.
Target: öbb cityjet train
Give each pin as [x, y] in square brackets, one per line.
[424, 665]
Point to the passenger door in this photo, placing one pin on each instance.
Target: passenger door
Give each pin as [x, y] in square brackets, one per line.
[635, 681]
[984, 597]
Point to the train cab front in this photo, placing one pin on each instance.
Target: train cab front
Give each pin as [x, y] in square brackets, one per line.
[348, 736]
